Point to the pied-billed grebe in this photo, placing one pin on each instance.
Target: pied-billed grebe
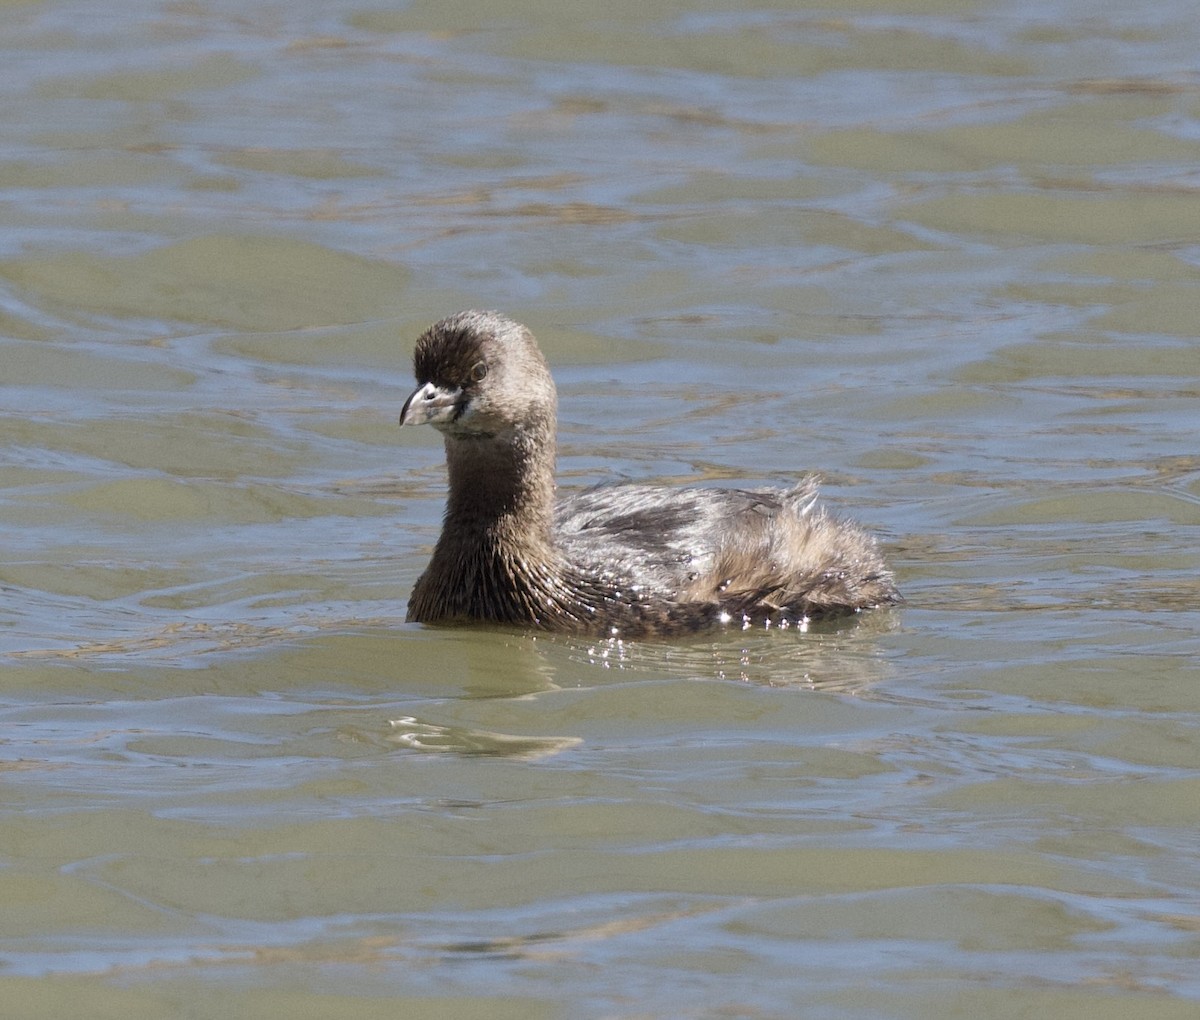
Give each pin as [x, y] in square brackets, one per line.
[615, 560]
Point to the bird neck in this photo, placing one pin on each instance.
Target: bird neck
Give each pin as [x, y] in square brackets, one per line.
[502, 491]
[495, 559]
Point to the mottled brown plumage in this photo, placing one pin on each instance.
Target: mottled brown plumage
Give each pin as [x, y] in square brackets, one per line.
[622, 559]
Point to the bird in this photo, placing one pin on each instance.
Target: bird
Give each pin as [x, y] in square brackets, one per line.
[620, 560]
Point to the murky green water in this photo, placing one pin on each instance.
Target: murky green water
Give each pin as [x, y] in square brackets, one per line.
[947, 253]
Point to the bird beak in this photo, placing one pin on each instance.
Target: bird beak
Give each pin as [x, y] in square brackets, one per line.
[431, 405]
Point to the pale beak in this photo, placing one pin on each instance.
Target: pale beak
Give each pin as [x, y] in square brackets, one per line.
[431, 405]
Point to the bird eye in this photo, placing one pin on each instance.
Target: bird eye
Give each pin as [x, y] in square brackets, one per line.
[478, 371]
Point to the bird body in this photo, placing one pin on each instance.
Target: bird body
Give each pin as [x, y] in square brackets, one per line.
[624, 560]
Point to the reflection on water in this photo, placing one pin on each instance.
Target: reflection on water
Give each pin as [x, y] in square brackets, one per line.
[942, 252]
[834, 656]
[410, 732]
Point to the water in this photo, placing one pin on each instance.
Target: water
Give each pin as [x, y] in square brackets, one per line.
[945, 253]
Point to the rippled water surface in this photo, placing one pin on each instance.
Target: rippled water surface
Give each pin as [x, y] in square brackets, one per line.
[947, 253]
